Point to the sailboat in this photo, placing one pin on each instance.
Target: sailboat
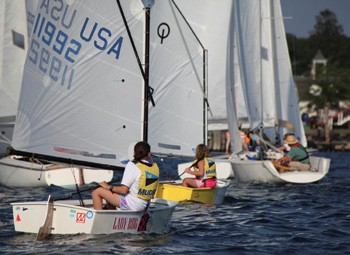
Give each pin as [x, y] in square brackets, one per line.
[179, 120]
[19, 171]
[213, 23]
[269, 89]
[93, 97]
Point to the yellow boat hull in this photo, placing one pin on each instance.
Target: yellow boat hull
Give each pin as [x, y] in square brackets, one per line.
[176, 192]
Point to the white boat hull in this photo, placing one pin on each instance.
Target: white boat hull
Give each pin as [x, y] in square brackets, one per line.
[264, 171]
[18, 173]
[223, 169]
[70, 218]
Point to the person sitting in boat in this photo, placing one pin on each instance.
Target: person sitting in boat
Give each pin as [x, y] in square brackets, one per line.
[297, 157]
[285, 147]
[138, 186]
[252, 141]
[204, 170]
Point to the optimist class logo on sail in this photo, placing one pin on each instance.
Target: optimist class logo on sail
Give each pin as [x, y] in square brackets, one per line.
[61, 37]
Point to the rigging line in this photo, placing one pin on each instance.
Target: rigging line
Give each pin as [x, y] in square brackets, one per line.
[6, 140]
[34, 160]
[188, 24]
[76, 185]
[187, 50]
[202, 87]
[135, 51]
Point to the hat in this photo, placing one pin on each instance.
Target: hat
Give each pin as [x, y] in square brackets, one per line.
[291, 139]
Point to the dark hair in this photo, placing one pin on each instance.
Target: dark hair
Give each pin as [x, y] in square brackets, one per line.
[141, 150]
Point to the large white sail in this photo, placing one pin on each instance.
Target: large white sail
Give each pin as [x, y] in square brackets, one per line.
[13, 48]
[31, 6]
[253, 23]
[177, 75]
[13, 45]
[266, 73]
[211, 21]
[82, 89]
[287, 100]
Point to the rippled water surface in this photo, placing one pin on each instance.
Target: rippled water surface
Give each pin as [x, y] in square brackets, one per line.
[254, 219]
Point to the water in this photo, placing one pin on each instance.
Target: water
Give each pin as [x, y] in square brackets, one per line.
[254, 219]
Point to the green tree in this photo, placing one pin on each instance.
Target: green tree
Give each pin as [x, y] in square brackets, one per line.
[327, 35]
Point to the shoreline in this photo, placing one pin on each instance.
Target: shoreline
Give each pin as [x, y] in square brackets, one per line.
[339, 140]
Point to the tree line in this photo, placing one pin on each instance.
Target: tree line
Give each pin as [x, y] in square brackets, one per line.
[328, 37]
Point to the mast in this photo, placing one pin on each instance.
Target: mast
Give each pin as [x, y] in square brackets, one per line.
[206, 107]
[147, 92]
[260, 70]
[275, 67]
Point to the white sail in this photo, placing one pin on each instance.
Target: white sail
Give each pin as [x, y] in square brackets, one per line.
[177, 75]
[287, 100]
[31, 6]
[211, 21]
[255, 57]
[213, 24]
[268, 83]
[13, 45]
[269, 90]
[82, 86]
[240, 101]
[13, 48]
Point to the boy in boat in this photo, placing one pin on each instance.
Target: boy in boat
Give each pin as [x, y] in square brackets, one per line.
[285, 147]
[297, 157]
[204, 170]
[252, 142]
[138, 186]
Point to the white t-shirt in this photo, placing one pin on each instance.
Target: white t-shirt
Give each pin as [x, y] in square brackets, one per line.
[131, 179]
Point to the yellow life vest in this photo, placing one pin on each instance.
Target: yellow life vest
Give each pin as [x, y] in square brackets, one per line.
[209, 168]
[148, 181]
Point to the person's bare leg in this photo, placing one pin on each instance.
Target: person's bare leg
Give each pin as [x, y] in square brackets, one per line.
[189, 182]
[102, 193]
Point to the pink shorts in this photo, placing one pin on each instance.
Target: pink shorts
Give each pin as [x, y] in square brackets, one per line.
[208, 183]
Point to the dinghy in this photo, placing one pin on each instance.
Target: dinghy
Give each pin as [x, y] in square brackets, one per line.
[86, 99]
[212, 20]
[266, 70]
[18, 171]
[265, 171]
[176, 192]
[69, 217]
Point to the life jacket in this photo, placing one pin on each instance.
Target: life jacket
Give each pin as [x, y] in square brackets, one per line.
[148, 181]
[209, 168]
[304, 150]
